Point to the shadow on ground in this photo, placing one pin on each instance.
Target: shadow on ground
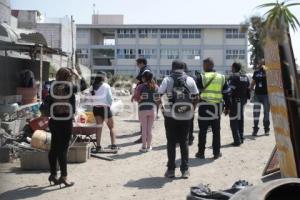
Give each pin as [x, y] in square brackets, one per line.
[149, 183]
[125, 155]
[131, 120]
[196, 162]
[128, 135]
[27, 192]
[18, 170]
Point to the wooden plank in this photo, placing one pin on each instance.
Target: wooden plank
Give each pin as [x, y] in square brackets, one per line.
[279, 110]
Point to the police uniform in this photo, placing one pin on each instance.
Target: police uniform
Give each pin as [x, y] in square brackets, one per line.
[261, 97]
[212, 98]
[239, 89]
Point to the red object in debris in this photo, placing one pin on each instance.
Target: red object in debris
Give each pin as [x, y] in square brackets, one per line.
[82, 119]
[40, 123]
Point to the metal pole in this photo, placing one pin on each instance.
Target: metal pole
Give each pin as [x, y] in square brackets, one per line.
[41, 73]
[72, 61]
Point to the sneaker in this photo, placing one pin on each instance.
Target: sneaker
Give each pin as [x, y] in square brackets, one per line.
[143, 150]
[114, 147]
[138, 141]
[235, 144]
[149, 149]
[185, 174]
[170, 174]
[267, 132]
[216, 156]
[255, 131]
[200, 155]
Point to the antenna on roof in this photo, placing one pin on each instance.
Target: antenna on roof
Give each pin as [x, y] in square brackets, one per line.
[94, 7]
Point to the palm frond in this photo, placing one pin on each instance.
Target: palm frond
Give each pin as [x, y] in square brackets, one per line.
[266, 5]
[292, 4]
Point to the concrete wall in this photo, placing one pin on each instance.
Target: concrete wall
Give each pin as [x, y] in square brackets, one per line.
[216, 54]
[126, 41]
[213, 36]
[83, 37]
[148, 41]
[169, 41]
[130, 62]
[107, 19]
[26, 18]
[191, 42]
[10, 69]
[5, 11]
[52, 33]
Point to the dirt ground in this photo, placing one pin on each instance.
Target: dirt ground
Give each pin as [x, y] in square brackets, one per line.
[135, 176]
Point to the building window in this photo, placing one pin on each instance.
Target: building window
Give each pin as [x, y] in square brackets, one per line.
[169, 33]
[191, 33]
[191, 54]
[169, 53]
[147, 53]
[126, 53]
[164, 72]
[234, 33]
[147, 33]
[126, 33]
[234, 54]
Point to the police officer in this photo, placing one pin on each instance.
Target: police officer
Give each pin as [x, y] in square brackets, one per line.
[239, 88]
[259, 82]
[211, 85]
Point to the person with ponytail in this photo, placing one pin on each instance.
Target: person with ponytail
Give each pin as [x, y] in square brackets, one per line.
[145, 96]
[102, 96]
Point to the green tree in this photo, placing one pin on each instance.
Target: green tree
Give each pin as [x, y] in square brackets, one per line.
[255, 35]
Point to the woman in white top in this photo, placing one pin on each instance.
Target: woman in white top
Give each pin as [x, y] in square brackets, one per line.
[102, 102]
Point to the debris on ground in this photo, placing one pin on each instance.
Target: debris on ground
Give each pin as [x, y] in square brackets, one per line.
[203, 192]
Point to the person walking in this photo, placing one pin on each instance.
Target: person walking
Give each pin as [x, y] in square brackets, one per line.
[141, 63]
[102, 97]
[61, 108]
[182, 92]
[212, 86]
[145, 96]
[239, 88]
[259, 85]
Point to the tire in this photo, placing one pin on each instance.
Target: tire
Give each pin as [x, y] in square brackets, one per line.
[273, 190]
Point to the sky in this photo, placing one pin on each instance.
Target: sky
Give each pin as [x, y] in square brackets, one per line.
[158, 11]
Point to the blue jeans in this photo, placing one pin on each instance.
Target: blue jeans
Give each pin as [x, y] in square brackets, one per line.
[258, 101]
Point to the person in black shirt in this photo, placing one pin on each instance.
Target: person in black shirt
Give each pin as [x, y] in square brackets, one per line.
[239, 87]
[141, 63]
[61, 121]
[260, 97]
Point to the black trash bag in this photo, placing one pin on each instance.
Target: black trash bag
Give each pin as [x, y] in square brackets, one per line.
[203, 192]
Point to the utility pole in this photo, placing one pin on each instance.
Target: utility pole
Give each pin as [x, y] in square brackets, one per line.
[72, 33]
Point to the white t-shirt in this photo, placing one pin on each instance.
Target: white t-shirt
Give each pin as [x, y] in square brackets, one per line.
[102, 97]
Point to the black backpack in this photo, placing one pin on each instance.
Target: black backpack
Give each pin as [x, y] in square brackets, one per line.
[181, 95]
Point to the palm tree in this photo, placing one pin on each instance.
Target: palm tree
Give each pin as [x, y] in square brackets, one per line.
[280, 17]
